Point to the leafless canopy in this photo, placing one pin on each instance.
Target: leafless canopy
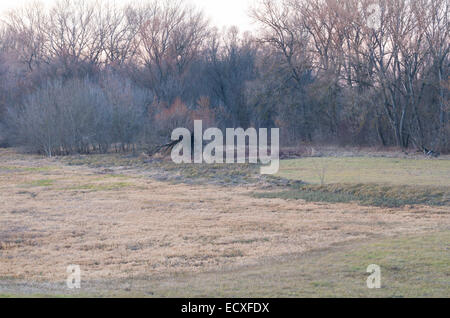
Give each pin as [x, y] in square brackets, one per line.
[341, 71]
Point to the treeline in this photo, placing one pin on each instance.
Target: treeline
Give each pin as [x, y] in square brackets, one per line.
[93, 76]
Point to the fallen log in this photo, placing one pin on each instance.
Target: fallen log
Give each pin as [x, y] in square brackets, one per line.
[166, 148]
[427, 152]
[430, 153]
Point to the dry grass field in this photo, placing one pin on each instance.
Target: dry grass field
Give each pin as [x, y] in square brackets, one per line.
[136, 235]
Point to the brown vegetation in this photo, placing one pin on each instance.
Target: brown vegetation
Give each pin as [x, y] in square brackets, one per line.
[125, 225]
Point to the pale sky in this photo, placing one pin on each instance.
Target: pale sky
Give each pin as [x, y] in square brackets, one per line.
[221, 12]
[227, 12]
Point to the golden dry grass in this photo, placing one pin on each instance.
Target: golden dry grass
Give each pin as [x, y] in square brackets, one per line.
[124, 226]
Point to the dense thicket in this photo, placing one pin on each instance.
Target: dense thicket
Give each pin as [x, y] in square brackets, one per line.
[83, 76]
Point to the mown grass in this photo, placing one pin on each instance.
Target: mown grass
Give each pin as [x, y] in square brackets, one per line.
[363, 170]
[365, 194]
[385, 182]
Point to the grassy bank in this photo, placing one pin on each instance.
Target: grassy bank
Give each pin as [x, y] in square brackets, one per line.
[386, 182]
[365, 194]
[364, 170]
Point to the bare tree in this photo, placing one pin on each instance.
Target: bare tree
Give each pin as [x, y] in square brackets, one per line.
[26, 28]
[316, 68]
[171, 36]
[120, 27]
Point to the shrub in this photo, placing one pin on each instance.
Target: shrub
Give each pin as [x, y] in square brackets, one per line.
[78, 116]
